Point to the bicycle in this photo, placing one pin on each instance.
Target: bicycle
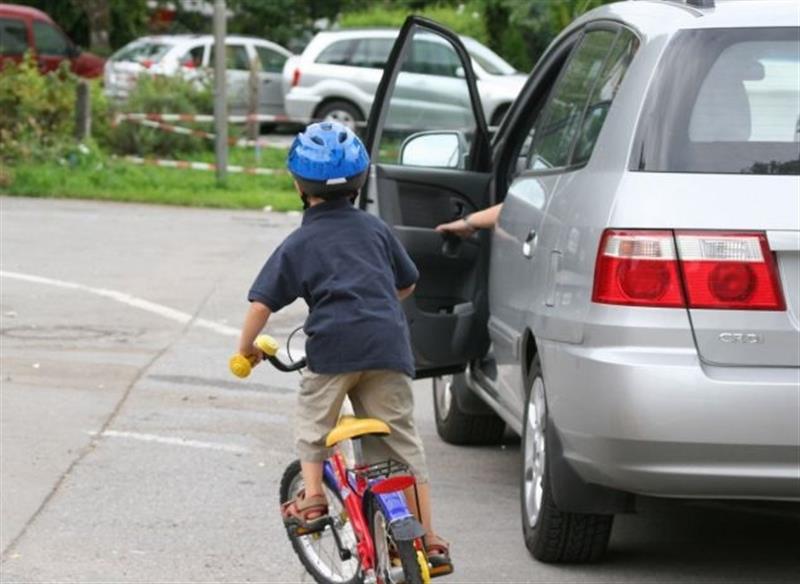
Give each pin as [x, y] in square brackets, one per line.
[370, 535]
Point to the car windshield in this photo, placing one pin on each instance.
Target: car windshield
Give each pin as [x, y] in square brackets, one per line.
[724, 101]
[142, 51]
[487, 59]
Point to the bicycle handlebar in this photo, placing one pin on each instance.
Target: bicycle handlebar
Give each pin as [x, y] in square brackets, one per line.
[241, 366]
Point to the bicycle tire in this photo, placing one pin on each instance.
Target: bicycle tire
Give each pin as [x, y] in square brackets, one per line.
[300, 544]
[405, 550]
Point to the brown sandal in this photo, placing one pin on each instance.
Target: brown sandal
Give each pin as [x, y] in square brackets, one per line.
[304, 512]
[438, 552]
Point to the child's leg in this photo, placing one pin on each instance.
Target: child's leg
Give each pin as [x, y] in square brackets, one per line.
[423, 512]
[386, 395]
[312, 478]
[319, 402]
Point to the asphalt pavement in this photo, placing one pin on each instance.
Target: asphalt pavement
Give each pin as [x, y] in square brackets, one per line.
[130, 454]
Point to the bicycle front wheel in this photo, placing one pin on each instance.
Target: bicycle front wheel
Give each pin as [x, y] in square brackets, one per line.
[319, 552]
[397, 562]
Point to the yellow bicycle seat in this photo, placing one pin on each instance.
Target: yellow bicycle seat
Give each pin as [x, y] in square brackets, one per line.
[351, 427]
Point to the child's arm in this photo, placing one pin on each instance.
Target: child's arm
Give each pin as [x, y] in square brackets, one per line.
[404, 293]
[257, 316]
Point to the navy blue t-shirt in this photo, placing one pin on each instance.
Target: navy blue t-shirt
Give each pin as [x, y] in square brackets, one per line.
[347, 265]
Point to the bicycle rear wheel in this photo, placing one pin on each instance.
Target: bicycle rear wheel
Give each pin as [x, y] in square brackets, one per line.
[397, 562]
[318, 552]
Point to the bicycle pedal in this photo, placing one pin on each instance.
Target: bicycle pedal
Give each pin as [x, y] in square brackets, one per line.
[299, 530]
[441, 570]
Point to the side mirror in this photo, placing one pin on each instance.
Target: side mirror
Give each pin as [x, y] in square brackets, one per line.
[460, 72]
[434, 149]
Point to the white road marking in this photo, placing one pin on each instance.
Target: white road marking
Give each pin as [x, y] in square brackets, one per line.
[173, 441]
[134, 301]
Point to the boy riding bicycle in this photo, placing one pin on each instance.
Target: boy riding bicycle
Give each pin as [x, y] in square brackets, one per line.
[352, 272]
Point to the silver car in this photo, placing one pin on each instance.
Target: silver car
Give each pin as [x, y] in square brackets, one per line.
[192, 57]
[635, 314]
[337, 75]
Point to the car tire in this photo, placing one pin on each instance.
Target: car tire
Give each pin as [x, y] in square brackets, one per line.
[499, 114]
[457, 426]
[341, 111]
[552, 535]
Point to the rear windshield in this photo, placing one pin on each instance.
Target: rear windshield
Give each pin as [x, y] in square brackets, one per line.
[724, 101]
[142, 51]
[489, 61]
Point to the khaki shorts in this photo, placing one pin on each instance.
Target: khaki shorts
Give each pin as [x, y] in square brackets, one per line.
[381, 394]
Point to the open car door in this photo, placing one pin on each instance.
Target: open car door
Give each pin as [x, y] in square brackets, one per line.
[430, 150]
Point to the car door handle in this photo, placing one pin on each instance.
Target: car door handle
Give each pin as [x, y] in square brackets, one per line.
[530, 244]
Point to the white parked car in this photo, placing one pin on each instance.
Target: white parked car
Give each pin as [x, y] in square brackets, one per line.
[191, 56]
[338, 73]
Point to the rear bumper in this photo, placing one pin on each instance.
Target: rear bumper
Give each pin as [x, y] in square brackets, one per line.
[300, 105]
[659, 422]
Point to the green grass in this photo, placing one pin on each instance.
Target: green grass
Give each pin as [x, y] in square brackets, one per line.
[106, 179]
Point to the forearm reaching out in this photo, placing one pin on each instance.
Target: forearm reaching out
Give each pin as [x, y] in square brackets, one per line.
[254, 322]
[466, 226]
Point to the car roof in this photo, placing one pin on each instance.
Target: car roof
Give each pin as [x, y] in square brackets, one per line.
[25, 11]
[656, 17]
[183, 39]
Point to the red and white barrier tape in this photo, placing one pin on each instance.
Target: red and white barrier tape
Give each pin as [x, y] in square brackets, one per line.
[199, 118]
[208, 118]
[186, 164]
[172, 129]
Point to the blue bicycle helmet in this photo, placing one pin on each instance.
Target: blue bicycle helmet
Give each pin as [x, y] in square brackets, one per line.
[327, 159]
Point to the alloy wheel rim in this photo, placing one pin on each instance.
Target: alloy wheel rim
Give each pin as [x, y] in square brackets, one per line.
[534, 452]
[443, 394]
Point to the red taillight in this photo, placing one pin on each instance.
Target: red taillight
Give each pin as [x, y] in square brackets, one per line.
[188, 64]
[637, 268]
[296, 78]
[729, 271]
[715, 269]
[146, 63]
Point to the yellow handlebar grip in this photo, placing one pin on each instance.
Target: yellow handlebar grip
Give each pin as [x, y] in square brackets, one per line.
[267, 344]
[240, 366]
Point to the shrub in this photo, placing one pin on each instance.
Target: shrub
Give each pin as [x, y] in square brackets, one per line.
[466, 19]
[36, 111]
[162, 94]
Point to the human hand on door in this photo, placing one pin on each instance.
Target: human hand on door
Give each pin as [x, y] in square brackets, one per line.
[469, 224]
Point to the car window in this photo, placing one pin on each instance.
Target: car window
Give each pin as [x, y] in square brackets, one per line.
[142, 51]
[193, 57]
[337, 53]
[236, 58]
[48, 40]
[432, 58]
[555, 129]
[487, 59]
[603, 94]
[731, 100]
[440, 106]
[372, 53]
[271, 61]
[13, 38]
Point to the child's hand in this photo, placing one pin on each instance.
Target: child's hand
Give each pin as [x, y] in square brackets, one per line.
[253, 354]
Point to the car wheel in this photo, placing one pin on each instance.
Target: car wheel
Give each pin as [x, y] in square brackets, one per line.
[454, 424]
[343, 112]
[552, 535]
[499, 114]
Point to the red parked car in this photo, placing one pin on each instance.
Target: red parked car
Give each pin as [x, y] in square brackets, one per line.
[23, 28]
